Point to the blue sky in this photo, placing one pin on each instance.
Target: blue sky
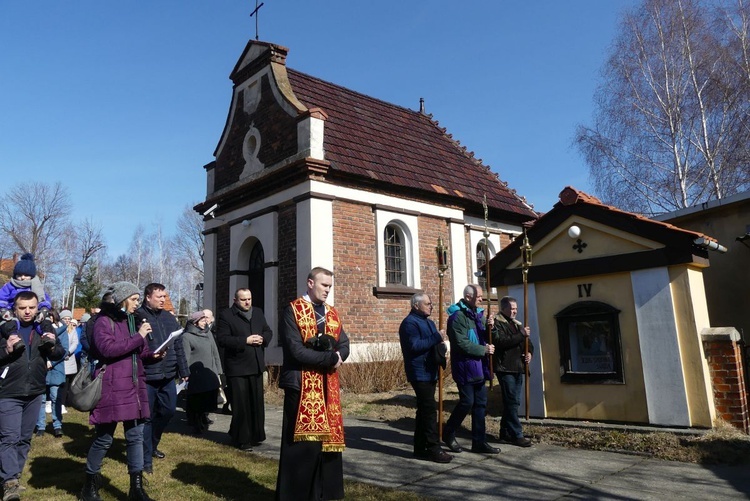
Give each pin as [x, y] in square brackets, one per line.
[124, 101]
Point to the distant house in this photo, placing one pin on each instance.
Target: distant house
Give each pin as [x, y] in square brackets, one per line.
[6, 269]
[619, 315]
[309, 173]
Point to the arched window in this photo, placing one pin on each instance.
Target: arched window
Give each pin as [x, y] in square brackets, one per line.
[395, 257]
[256, 275]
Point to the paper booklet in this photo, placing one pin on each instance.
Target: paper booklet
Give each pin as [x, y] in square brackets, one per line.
[168, 342]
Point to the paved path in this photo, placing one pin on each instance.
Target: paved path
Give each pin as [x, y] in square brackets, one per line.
[380, 453]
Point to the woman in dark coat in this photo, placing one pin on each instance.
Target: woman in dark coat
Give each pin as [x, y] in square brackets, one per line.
[118, 345]
[205, 367]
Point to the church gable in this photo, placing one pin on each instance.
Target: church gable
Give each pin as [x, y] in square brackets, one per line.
[261, 133]
[578, 238]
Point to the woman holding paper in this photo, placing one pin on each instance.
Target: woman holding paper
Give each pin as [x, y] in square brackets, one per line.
[121, 350]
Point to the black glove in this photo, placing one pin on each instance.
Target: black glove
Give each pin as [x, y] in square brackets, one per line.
[7, 329]
[321, 342]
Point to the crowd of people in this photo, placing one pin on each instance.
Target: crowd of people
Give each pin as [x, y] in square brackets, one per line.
[141, 354]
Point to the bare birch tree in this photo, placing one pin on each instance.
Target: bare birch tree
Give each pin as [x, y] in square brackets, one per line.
[669, 120]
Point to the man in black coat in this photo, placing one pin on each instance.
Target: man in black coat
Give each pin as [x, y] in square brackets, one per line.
[243, 333]
[23, 372]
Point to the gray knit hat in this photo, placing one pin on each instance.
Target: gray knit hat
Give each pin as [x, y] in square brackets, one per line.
[66, 313]
[121, 291]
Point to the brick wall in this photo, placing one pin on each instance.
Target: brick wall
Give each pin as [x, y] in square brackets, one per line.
[287, 246]
[222, 268]
[725, 362]
[368, 318]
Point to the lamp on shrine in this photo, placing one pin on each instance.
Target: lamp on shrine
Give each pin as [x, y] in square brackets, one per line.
[574, 232]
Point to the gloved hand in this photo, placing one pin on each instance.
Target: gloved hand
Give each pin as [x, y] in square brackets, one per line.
[8, 328]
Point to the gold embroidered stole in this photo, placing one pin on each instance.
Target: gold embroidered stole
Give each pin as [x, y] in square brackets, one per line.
[319, 416]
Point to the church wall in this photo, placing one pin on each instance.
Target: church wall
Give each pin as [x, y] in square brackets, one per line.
[287, 255]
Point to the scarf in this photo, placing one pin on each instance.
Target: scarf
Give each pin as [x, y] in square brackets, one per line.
[319, 416]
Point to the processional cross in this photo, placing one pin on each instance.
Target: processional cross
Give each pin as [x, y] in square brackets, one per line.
[256, 14]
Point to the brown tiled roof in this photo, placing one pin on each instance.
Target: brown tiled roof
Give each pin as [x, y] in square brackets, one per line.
[375, 140]
[570, 196]
[681, 244]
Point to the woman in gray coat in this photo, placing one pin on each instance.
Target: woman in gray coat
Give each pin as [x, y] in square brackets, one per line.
[205, 367]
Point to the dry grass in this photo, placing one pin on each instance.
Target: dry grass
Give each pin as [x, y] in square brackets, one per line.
[381, 369]
[195, 469]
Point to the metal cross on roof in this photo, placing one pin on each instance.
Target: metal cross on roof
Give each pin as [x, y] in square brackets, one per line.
[255, 13]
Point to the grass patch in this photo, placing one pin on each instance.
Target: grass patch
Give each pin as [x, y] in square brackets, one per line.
[195, 469]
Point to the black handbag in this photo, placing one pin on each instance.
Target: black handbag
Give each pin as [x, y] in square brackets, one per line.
[84, 392]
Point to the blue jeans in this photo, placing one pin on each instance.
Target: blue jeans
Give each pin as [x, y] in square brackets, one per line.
[471, 397]
[162, 400]
[511, 384]
[104, 436]
[57, 404]
[17, 419]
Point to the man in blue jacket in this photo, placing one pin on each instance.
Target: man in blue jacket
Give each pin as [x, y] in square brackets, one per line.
[160, 375]
[420, 340]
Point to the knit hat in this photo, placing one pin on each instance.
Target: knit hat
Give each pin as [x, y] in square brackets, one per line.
[121, 291]
[25, 266]
[85, 318]
[66, 313]
[194, 317]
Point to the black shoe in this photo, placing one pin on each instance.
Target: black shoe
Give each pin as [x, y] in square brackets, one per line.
[148, 469]
[440, 457]
[158, 454]
[39, 433]
[450, 440]
[484, 448]
[245, 447]
[90, 490]
[521, 442]
[58, 433]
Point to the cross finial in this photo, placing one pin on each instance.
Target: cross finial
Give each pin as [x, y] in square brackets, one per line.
[255, 13]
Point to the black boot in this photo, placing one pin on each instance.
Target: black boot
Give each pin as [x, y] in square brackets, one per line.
[90, 490]
[136, 488]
